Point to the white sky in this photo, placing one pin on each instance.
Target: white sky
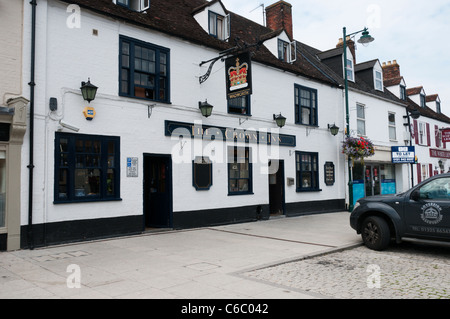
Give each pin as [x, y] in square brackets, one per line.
[415, 33]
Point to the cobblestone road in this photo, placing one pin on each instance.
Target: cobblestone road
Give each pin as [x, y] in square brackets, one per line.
[408, 271]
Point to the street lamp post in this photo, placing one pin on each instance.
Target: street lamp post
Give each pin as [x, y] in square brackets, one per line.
[415, 114]
[364, 40]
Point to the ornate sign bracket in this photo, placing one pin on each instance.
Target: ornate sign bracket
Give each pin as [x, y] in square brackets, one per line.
[222, 55]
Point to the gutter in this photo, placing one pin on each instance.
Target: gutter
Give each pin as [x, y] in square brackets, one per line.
[30, 166]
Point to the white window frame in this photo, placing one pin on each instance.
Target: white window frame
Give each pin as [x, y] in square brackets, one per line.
[392, 126]
[378, 81]
[350, 69]
[361, 119]
[288, 53]
[425, 171]
[422, 131]
[438, 139]
[136, 5]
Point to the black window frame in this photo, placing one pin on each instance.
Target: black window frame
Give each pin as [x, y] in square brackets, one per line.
[233, 156]
[245, 110]
[134, 5]
[403, 92]
[423, 100]
[128, 70]
[314, 105]
[66, 159]
[299, 170]
[121, 3]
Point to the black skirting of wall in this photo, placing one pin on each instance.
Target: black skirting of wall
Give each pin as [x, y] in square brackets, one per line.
[315, 207]
[82, 230]
[92, 229]
[3, 242]
[220, 216]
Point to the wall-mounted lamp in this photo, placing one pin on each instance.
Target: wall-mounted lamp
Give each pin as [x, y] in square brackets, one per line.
[280, 120]
[333, 129]
[88, 90]
[205, 108]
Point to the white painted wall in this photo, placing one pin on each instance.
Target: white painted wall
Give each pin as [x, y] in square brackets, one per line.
[66, 57]
[10, 50]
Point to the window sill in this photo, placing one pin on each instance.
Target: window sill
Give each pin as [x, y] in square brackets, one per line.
[240, 114]
[143, 99]
[308, 190]
[307, 125]
[240, 194]
[87, 200]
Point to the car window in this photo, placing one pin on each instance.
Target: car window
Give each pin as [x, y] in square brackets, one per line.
[436, 189]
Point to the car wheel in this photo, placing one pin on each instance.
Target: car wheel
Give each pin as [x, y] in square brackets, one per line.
[375, 233]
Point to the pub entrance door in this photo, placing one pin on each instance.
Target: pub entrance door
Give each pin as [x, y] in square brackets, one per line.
[157, 191]
[276, 188]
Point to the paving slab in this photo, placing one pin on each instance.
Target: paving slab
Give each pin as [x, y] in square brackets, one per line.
[204, 263]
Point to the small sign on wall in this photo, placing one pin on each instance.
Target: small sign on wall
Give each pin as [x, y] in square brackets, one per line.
[132, 167]
[290, 181]
[329, 174]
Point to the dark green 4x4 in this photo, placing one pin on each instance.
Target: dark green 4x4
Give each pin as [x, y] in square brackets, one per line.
[422, 212]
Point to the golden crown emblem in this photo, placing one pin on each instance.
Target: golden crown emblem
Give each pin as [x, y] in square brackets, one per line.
[238, 76]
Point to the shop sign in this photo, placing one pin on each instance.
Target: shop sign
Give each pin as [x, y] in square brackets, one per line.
[439, 154]
[446, 135]
[231, 134]
[403, 155]
[238, 76]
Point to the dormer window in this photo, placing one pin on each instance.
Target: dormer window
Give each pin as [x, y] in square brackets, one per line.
[350, 70]
[219, 26]
[378, 81]
[287, 52]
[403, 92]
[136, 5]
[422, 100]
[438, 107]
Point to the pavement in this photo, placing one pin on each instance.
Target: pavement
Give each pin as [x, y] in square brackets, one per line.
[204, 263]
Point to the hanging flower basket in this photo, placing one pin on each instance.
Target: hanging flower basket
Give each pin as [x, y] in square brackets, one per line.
[358, 148]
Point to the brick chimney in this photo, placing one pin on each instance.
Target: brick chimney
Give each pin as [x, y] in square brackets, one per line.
[350, 45]
[279, 16]
[391, 70]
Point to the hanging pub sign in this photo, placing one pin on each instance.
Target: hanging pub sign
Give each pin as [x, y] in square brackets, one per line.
[446, 135]
[238, 76]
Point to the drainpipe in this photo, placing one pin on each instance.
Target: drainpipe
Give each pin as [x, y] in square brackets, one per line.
[32, 84]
